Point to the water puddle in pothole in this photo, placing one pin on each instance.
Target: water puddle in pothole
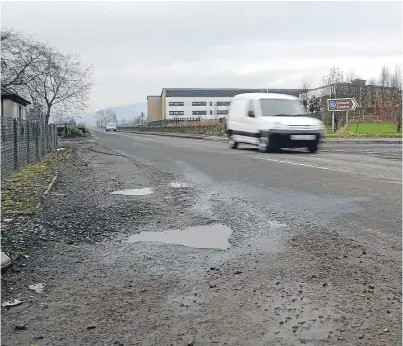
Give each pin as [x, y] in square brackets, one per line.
[134, 192]
[213, 236]
[179, 185]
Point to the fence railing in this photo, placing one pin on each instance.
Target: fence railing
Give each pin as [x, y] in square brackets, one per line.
[23, 142]
[185, 122]
[175, 121]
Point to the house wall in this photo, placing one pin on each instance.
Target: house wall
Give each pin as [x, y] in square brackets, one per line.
[11, 110]
[163, 102]
[154, 108]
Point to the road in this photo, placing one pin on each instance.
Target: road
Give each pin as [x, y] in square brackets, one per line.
[280, 249]
[341, 184]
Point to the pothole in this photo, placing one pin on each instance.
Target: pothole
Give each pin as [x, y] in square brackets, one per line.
[134, 192]
[213, 236]
[179, 185]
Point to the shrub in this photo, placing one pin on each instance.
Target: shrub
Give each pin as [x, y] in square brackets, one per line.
[74, 131]
[83, 128]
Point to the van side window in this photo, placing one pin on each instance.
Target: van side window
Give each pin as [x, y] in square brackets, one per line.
[251, 107]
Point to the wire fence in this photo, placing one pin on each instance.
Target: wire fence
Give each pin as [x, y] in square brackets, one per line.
[23, 142]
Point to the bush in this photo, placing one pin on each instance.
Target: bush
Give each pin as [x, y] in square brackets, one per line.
[83, 128]
[74, 131]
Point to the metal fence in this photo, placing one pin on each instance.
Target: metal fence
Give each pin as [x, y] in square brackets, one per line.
[23, 142]
[166, 122]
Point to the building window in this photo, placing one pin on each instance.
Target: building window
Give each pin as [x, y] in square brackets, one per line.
[211, 112]
[211, 103]
[176, 104]
[225, 111]
[199, 103]
[176, 112]
[223, 103]
[199, 112]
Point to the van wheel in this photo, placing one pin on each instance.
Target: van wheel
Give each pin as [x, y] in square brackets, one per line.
[267, 144]
[231, 142]
[313, 148]
[264, 145]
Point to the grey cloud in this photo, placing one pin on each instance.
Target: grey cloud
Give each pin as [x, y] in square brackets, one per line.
[139, 47]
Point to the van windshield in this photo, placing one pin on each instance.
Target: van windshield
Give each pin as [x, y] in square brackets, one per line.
[278, 107]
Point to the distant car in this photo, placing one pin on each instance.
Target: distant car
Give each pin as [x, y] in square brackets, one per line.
[111, 127]
[271, 122]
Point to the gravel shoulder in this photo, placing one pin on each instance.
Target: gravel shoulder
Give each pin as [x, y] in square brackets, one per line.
[278, 284]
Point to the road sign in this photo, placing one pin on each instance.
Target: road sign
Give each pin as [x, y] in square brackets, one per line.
[341, 105]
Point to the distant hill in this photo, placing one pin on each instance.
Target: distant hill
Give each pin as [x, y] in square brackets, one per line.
[128, 113]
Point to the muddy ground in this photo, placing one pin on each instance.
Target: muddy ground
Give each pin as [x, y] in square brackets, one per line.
[281, 282]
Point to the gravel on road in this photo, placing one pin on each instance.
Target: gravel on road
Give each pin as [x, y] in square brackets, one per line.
[277, 284]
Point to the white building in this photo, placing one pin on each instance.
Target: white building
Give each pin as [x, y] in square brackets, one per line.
[194, 103]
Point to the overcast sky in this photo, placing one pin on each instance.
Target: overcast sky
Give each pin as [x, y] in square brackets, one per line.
[137, 48]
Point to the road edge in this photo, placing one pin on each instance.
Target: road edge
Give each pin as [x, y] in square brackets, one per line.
[224, 139]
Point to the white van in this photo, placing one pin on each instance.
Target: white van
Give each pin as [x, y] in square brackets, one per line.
[272, 121]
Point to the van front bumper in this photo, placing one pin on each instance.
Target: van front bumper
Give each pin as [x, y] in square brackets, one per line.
[294, 139]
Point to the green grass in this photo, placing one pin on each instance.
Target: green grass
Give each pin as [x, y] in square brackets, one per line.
[23, 190]
[366, 130]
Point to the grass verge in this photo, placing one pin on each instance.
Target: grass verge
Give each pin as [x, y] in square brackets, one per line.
[365, 130]
[23, 190]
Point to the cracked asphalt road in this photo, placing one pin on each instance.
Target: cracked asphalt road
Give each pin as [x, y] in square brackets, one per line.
[314, 257]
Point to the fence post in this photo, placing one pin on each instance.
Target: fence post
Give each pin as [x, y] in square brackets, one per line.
[15, 137]
[28, 139]
[37, 139]
[65, 130]
[43, 139]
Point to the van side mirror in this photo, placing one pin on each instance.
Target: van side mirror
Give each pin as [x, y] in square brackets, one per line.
[251, 114]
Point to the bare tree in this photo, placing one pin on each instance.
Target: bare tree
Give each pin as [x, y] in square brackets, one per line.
[333, 83]
[396, 96]
[111, 116]
[55, 80]
[101, 118]
[384, 81]
[36, 112]
[137, 120]
[384, 78]
[60, 83]
[304, 96]
[105, 116]
[19, 55]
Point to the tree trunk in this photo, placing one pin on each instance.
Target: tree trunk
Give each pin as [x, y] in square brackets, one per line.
[47, 114]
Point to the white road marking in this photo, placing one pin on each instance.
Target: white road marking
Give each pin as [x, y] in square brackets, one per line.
[319, 167]
[294, 163]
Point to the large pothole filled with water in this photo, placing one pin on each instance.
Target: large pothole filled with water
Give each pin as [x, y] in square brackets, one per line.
[134, 192]
[214, 236]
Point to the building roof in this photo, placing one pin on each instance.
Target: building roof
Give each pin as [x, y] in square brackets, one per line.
[7, 94]
[221, 92]
[258, 96]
